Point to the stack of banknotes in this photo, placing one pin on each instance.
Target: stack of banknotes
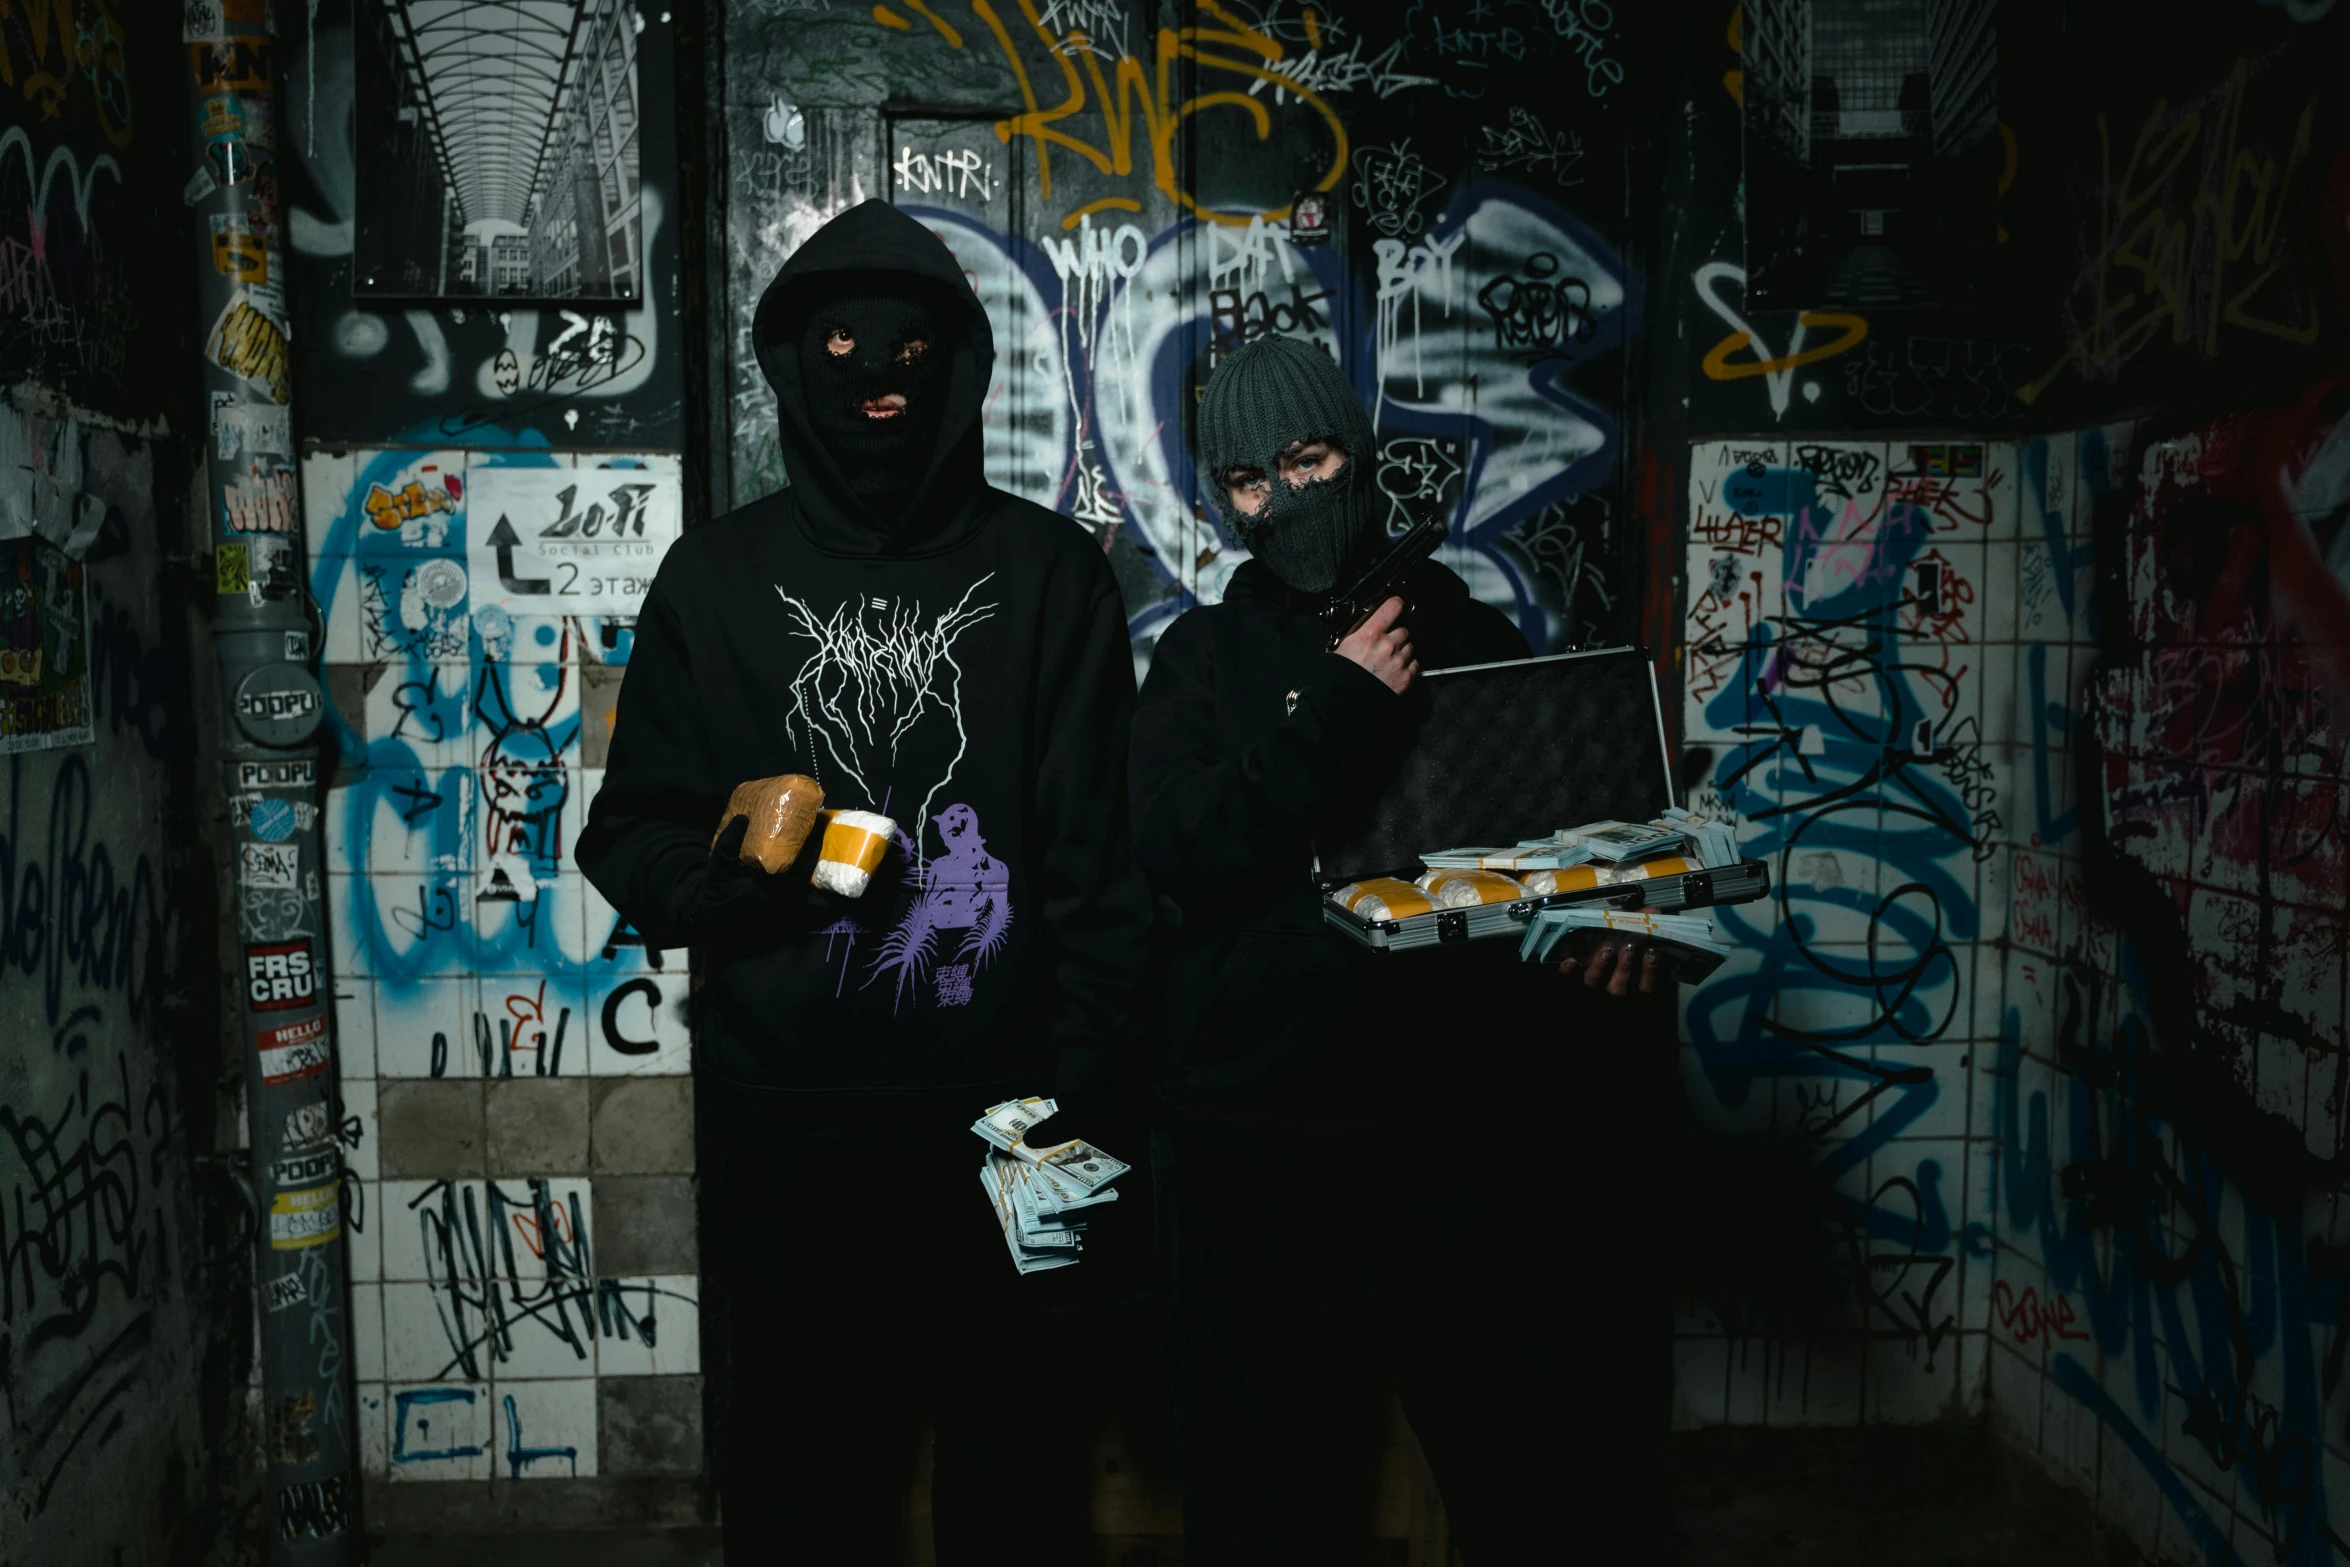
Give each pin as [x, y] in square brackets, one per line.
[1688, 944]
[1712, 844]
[1041, 1194]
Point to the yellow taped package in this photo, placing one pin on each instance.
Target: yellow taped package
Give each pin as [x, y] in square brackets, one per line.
[1382, 898]
[1459, 889]
[1578, 878]
[851, 850]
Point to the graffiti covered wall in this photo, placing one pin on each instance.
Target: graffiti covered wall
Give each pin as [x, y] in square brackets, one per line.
[2050, 991]
[117, 1336]
[1865, 621]
[489, 487]
[2021, 1098]
[514, 1060]
[1135, 190]
[122, 1330]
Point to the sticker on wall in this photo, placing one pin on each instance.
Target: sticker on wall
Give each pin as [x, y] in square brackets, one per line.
[248, 344]
[261, 499]
[240, 64]
[272, 568]
[279, 705]
[237, 252]
[294, 1052]
[314, 1509]
[297, 774]
[203, 19]
[301, 1219]
[568, 541]
[287, 1289]
[243, 430]
[307, 1125]
[1309, 219]
[269, 865]
[440, 582]
[279, 975]
[293, 1429]
[44, 648]
[272, 820]
[305, 1169]
[226, 157]
[232, 569]
[1941, 461]
[274, 914]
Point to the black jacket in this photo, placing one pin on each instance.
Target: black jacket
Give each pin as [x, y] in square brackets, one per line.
[1248, 738]
[966, 673]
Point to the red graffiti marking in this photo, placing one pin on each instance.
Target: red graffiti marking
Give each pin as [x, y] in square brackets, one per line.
[526, 1225]
[2028, 1318]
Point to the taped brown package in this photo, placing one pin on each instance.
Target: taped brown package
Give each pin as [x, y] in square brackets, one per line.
[782, 812]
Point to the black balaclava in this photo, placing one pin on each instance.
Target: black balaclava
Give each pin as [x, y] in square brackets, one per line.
[883, 459]
[1274, 392]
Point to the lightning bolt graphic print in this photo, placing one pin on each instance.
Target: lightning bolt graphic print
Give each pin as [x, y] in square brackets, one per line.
[877, 670]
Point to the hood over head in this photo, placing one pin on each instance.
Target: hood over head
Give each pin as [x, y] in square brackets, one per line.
[891, 274]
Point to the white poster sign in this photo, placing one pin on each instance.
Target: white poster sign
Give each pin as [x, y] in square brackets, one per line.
[567, 541]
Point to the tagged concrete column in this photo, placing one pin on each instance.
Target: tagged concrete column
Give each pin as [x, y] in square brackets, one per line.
[267, 642]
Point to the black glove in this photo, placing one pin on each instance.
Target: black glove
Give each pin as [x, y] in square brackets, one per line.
[729, 883]
[1094, 1105]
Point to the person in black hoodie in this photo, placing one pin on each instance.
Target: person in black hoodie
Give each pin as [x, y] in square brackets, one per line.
[935, 650]
[1359, 1147]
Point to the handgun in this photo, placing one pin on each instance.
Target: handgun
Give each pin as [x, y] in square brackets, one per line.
[1382, 580]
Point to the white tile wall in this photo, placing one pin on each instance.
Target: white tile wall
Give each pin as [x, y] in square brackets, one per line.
[466, 763]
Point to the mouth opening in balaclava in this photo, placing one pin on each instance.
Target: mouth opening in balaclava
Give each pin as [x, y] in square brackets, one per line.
[874, 367]
[1261, 402]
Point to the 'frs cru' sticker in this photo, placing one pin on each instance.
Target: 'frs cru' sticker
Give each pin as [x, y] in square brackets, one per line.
[279, 976]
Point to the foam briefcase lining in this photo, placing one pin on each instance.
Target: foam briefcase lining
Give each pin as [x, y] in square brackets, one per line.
[1511, 751]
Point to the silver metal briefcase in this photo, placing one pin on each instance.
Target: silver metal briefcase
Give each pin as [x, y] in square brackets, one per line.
[1508, 752]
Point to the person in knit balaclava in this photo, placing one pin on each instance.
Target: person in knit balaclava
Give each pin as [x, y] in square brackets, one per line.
[1289, 1050]
[1265, 408]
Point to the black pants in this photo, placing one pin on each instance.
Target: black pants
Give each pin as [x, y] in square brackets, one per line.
[1485, 1265]
[864, 1292]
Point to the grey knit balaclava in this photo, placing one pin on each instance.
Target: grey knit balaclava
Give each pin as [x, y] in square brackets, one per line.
[1276, 391]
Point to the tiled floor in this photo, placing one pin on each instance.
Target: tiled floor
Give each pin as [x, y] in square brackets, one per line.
[1882, 1496]
[631, 1548]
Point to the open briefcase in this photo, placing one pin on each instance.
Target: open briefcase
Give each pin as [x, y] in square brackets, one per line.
[1510, 752]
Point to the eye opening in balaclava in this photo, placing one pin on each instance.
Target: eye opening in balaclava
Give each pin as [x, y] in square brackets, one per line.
[874, 397]
[1275, 394]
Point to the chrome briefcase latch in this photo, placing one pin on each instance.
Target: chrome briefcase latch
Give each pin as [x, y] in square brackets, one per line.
[1452, 925]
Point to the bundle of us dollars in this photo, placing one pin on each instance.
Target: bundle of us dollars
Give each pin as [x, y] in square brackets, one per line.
[1687, 942]
[1716, 843]
[1540, 854]
[1613, 840]
[1041, 1194]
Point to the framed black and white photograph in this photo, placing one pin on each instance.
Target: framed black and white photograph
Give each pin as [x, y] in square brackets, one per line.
[497, 150]
[1873, 152]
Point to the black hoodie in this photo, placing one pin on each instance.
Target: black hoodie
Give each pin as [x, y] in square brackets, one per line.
[965, 672]
[1249, 738]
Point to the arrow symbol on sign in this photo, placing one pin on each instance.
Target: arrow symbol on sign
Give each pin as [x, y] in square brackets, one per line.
[503, 538]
